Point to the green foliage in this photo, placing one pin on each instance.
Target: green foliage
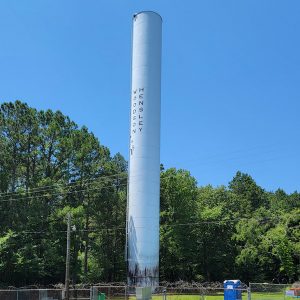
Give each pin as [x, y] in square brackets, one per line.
[178, 213]
[215, 250]
[50, 167]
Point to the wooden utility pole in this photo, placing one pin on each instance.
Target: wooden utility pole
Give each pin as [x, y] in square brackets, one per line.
[67, 278]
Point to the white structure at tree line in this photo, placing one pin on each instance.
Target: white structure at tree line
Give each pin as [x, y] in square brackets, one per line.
[144, 158]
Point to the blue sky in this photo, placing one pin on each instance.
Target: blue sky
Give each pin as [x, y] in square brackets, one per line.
[230, 78]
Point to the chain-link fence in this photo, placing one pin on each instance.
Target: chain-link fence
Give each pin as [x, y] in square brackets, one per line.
[108, 292]
[116, 293]
[198, 291]
[269, 291]
[202, 293]
[255, 291]
[44, 294]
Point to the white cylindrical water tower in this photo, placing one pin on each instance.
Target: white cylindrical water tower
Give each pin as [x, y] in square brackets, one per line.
[144, 158]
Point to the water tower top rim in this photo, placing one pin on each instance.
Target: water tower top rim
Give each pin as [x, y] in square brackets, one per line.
[146, 11]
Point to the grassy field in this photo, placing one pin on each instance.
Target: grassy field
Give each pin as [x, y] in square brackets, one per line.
[220, 296]
[269, 296]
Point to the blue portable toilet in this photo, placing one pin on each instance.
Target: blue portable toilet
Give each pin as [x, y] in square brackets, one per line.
[232, 290]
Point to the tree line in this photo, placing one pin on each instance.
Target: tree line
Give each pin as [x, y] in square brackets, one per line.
[50, 167]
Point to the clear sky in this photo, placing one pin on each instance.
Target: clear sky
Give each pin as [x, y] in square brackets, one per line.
[230, 78]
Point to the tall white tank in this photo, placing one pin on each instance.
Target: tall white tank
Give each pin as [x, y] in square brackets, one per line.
[144, 158]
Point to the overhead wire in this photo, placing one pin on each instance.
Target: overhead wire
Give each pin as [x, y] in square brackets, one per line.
[46, 187]
[237, 154]
[57, 194]
[78, 182]
[7, 197]
[161, 225]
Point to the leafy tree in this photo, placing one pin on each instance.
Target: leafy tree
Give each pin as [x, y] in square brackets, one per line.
[249, 196]
[215, 250]
[49, 167]
[178, 214]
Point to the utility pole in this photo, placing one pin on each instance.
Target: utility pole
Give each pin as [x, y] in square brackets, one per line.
[67, 278]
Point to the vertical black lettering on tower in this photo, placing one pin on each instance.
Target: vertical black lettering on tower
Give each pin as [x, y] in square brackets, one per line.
[137, 114]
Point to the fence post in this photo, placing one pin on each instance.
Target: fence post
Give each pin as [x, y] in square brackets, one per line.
[164, 294]
[202, 295]
[94, 292]
[249, 292]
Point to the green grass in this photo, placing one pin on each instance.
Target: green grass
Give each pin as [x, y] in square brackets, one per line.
[268, 296]
[220, 296]
[216, 296]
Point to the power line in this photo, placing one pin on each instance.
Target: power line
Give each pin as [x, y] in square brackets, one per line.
[46, 192]
[46, 187]
[77, 230]
[269, 220]
[58, 194]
